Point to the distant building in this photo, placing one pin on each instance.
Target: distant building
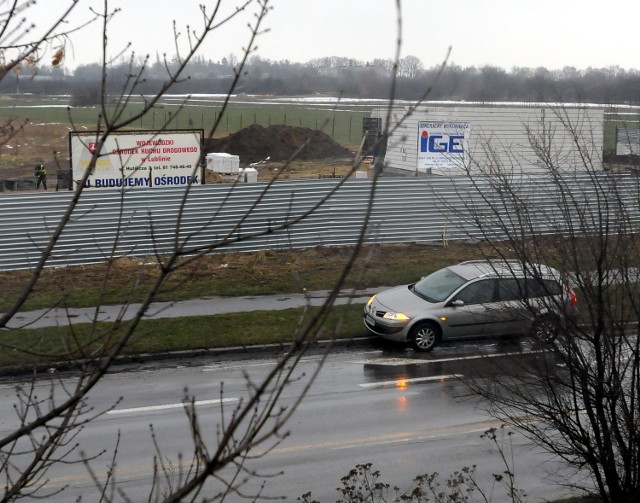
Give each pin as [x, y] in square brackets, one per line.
[457, 138]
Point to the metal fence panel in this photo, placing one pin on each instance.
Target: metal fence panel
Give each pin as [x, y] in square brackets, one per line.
[246, 217]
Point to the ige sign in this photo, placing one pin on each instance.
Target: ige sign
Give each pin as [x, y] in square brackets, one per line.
[442, 144]
[439, 143]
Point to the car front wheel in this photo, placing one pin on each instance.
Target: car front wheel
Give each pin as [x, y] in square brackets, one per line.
[425, 336]
[545, 328]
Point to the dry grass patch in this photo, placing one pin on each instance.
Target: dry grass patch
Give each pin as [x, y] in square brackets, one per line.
[234, 274]
[31, 144]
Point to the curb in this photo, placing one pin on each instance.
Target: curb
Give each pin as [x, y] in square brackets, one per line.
[189, 354]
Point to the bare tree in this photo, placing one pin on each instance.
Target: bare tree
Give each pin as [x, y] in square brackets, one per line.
[47, 427]
[410, 67]
[24, 46]
[580, 401]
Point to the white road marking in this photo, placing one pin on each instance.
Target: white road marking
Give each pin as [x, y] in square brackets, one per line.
[246, 364]
[422, 438]
[400, 380]
[421, 435]
[413, 361]
[152, 408]
[215, 368]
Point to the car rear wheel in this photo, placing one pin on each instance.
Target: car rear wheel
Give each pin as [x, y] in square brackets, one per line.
[425, 336]
[545, 328]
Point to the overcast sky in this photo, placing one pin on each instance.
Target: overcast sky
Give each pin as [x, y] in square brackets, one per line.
[504, 33]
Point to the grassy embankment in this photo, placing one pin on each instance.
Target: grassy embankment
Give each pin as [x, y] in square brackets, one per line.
[236, 274]
[127, 280]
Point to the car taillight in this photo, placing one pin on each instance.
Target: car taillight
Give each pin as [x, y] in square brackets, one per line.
[572, 296]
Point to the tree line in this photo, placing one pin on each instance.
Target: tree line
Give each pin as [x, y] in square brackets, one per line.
[353, 78]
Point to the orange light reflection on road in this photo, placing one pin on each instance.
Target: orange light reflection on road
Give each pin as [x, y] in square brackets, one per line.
[401, 383]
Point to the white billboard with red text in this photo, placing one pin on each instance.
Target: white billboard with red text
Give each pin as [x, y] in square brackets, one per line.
[145, 159]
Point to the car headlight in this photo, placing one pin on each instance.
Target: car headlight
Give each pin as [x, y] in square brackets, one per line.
[396, 316]
[371, 300]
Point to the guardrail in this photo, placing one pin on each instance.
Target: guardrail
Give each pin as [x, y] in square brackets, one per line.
[143, 222]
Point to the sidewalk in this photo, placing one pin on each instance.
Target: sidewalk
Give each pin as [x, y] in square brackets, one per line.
[195, 307]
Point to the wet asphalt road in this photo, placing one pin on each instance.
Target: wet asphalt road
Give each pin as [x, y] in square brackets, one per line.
[377, 402]
[406, 413]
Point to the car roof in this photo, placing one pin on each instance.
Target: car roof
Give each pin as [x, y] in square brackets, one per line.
[473, 269]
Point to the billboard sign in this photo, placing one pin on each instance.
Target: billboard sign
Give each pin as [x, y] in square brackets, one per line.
[443, 144]
[147, 159]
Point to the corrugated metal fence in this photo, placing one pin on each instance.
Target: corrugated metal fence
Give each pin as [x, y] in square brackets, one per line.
[143, 222]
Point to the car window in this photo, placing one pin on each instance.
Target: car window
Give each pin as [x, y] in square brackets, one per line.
[479, 292]
[511, 289]
[439, 285]
[541, 288]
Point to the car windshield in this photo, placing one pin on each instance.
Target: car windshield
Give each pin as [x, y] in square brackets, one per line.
[439, 285]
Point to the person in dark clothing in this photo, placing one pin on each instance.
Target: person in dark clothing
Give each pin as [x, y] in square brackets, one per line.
[41, 174]
[379, 151]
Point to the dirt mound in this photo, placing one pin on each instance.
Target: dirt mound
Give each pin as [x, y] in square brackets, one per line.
[279, 143]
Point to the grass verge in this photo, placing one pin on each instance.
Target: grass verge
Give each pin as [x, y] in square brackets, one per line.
[232, 274]
[127, 280]
[27, 348]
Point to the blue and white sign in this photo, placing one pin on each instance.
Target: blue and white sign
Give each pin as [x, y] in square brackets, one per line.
[443, 145]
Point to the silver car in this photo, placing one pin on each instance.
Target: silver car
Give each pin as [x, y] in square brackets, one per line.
[472, 299]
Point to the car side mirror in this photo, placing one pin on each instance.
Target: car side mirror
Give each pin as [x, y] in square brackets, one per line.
[457, 303]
